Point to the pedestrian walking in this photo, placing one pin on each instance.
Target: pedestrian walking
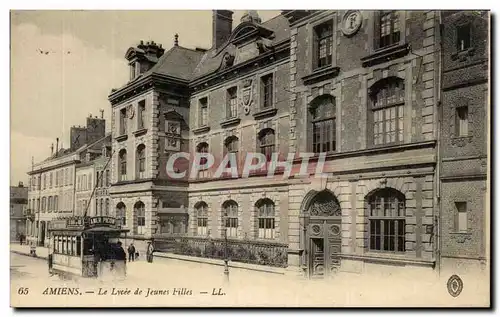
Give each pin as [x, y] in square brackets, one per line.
[149, 252]
[21, 239]
[131, 252]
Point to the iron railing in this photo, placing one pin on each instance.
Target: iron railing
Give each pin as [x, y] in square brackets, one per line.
[246, 251]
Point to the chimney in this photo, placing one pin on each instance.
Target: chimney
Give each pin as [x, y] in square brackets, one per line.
[52, 149]
[21, 184]
[57, 145]
[222, 26]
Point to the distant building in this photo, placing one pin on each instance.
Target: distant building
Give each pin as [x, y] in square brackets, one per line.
[91, 192]
[18, 206]
[53, 181]
[463, 140]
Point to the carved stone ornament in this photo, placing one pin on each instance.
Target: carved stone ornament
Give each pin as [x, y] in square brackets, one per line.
[461, 141]
[246, 94]
[227, 60]
[351, 22]
[131, 112]
[325, 208]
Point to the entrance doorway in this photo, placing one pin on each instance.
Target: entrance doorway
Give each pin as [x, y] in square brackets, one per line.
[322, 235]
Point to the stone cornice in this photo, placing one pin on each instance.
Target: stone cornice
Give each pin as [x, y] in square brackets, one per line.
[144, 84]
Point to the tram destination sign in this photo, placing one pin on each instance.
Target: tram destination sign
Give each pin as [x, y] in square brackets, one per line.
[102, 221]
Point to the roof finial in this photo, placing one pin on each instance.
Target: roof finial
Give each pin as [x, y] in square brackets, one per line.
[176, 39]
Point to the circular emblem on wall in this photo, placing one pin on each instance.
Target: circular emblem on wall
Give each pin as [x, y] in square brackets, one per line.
[335, 230]
[316, 229]
[351, 22]
[455, 285]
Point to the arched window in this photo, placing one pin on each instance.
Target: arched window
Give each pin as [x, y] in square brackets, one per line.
[230, 217]
[267, 143]
[387, 220]
[140, 213]
[387, 101]
[51, 206]
[202, 148]
[323, 124]
[56, 203]
[122, 172]
[107, 207]
[121, 214]
[265, 216]
[231, 147]
[201, 210]
[141, 161]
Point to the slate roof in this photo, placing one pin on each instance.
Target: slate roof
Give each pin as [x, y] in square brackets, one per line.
[178, 62]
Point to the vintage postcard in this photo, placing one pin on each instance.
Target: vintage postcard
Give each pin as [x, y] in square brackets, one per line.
[226, 158]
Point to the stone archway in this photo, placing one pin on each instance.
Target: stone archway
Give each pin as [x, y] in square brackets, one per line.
[321, 234]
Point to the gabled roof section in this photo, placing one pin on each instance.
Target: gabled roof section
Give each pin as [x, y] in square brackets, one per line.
[212, 59]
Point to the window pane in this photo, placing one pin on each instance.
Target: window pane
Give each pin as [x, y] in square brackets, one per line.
[462, 216]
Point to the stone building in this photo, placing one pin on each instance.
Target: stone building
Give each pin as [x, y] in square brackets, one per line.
[52, 182]
[18, 207]
[91, 188]
[360, 87]
[464, 140]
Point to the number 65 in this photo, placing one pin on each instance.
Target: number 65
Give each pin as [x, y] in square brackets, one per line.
[23, 291]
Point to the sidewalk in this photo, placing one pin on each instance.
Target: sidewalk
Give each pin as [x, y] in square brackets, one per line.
[41, 252]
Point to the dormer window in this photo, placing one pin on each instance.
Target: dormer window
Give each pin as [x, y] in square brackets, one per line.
[132, 71]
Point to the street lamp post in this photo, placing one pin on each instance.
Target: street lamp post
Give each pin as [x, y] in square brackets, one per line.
[226, 259]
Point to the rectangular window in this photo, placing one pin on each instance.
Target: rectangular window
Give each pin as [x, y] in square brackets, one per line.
[232, 102]
[123, 121]
[324, 136]
[388, 125]
[232, 227]
[461, 216]
[142, 114]
[387, 234]
[389, 28]
[141, 225]
[323, 41]
[267, 91]
[463, 37]
[462, 114]
[202, 226]
[203, 111]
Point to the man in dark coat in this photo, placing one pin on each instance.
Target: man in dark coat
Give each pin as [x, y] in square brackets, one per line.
[131, 252]
[120, 253]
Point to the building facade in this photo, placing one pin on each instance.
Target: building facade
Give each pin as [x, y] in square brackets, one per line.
[52, 189]
[18, 209]
[360, 88]
[464, 140]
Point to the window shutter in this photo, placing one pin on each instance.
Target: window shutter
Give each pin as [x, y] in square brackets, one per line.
[376, 29]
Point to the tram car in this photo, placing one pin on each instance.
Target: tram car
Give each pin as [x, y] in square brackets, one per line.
[86, 246]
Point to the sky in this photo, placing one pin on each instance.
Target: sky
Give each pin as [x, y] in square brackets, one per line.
[84, 61]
